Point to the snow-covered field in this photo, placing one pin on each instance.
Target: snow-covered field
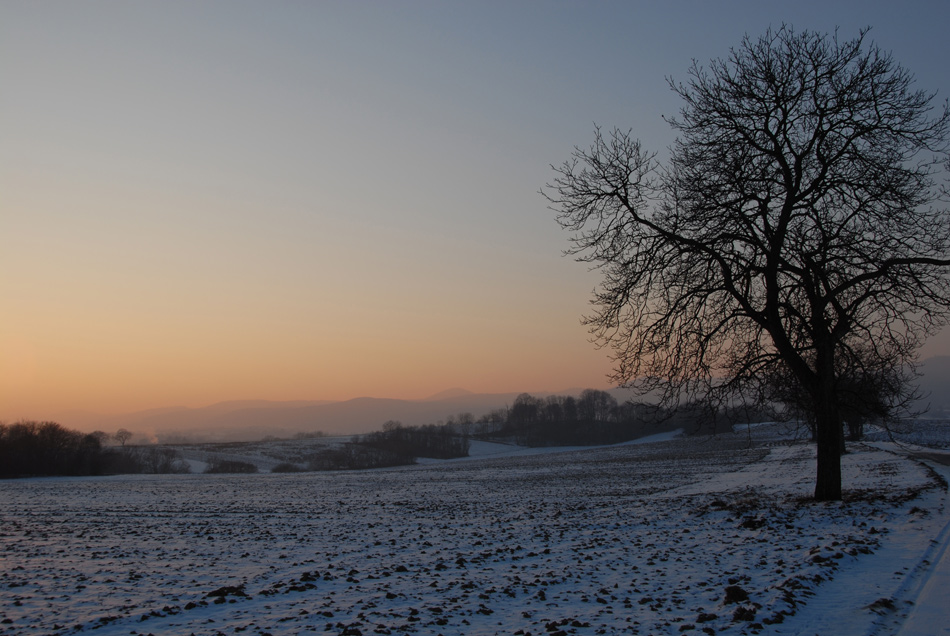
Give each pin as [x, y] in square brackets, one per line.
[931, 433]
[265, 455]
[678, 536]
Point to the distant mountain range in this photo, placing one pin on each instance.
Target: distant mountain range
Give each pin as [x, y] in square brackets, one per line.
[254, 419]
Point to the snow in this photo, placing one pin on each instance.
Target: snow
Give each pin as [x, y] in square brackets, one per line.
[929, 594]
[480, 449]
[265, 455]
[669, 536]
[934, 433]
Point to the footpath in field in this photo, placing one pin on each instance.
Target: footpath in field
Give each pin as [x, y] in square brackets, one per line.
[903, 590]
[926, 591]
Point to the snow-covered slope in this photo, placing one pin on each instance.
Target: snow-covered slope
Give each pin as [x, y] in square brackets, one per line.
[679, 536]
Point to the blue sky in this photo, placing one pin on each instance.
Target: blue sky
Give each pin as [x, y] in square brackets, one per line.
[203, 201]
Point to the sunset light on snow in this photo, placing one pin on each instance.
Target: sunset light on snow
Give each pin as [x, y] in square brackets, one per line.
[319, 201]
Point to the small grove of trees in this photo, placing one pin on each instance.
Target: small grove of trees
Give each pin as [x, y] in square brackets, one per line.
[863, 398]
[221, 465]
[355, 456]
[47, 448]
[394, 445]
[594, 417]
[430, 440]
[150, 460]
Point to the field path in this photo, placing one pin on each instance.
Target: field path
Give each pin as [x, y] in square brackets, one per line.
[930, 615]
[920, 603]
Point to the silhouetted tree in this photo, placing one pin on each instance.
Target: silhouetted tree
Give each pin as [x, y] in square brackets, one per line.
[465, 423]
[799, 227]
[596, 406]
[410, 442]
[491, 422]
[865, 395]
[122, 436]
[42, 448]
[525, 410]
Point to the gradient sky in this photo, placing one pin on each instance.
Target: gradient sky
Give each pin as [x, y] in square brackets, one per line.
[204, 201]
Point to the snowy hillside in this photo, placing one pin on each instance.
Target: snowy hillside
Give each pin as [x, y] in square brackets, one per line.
[677, 536]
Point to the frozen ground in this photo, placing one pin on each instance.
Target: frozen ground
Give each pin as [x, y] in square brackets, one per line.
[933, 433]
[264, 454]
[677, 536]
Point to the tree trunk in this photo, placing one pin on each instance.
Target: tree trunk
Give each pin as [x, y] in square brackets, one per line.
[828, 436]
[842, 449]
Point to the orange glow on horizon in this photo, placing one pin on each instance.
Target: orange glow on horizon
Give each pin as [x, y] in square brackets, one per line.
[198, 205]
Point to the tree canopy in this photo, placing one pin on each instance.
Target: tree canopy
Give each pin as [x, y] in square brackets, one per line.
[799, 230]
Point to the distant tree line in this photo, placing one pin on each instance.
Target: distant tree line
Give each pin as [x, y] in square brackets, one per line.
[394, 445]
[49, 449]
[595, 417]
[221, 465]
[430, 440]
[354, 456]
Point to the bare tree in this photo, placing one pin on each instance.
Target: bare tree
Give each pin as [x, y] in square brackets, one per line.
[881, 393]
[122, 436]
[101, 437]
[800, 227]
